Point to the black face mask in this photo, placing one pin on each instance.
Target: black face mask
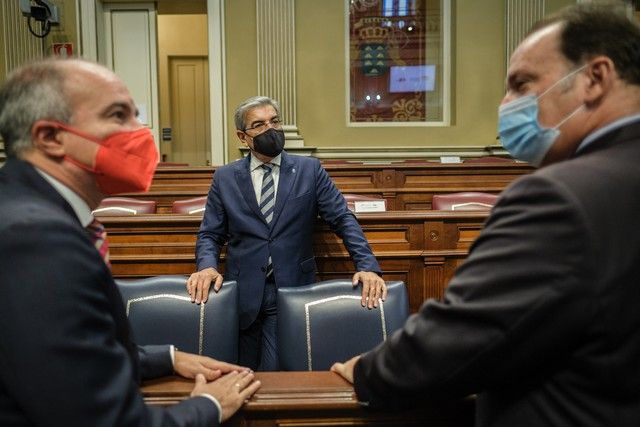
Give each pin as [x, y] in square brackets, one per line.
[269, 143]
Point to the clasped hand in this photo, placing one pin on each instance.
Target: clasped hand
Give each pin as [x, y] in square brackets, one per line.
[231, 385]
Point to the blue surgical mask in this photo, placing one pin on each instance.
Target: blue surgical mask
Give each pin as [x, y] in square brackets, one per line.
[520, 131]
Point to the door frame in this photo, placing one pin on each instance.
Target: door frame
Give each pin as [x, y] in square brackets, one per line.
[90, 15]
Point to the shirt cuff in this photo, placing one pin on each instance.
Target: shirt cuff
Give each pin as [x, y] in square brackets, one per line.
[215, 402]
[172, 352]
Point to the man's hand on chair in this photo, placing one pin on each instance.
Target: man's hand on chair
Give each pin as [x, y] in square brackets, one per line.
[373, 288]
[199, 283]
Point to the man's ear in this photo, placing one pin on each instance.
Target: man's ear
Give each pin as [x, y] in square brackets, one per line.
[241, 136]
[601, 73]
[45, 136]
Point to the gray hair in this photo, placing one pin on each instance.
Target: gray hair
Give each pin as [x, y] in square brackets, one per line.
[250, 104]
[32, 92]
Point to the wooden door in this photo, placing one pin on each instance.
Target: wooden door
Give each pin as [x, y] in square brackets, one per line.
[189, 103]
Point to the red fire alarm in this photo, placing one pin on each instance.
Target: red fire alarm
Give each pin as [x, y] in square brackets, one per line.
[62, 49]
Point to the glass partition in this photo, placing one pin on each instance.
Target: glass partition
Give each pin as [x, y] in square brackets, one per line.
[398, 62]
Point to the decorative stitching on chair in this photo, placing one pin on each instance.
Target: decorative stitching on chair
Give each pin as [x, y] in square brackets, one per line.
[334, 298]
[460, 205]
[116, 208]
[201, 331]
[188, 299]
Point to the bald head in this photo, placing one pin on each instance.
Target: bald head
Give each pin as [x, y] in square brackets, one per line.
[41, 90]
[77, 73]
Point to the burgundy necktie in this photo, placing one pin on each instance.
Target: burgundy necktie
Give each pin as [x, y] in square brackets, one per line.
[99, 238]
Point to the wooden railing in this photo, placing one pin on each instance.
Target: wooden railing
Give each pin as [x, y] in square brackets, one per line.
[405, 186]
[421, 248]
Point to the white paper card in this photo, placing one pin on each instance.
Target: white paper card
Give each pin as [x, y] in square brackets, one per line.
[450, 159]
[370, 206]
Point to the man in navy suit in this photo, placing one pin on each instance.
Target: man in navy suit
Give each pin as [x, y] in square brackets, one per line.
[265, 207]
[66, 357]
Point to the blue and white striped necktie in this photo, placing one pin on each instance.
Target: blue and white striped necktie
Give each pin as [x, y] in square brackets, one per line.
[267, 201]
[267, 195]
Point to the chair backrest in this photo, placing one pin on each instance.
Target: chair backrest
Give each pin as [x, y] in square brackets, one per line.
[464, 201]
[323, 323]
[161, 312]
[353, 198]
[191, 206]
[112, 206]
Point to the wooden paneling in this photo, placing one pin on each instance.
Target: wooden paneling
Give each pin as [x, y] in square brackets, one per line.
[405, 186]
[421, 248]
[314, 399]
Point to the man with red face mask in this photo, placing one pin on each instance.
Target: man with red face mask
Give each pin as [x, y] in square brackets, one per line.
[72, 137]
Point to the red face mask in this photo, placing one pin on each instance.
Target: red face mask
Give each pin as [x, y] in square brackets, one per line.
[125, 162]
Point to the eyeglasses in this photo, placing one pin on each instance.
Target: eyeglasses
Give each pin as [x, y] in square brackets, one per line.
[263, 126]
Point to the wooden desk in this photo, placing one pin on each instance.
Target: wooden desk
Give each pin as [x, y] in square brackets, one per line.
[405, 186]
[421, 248]
[313, 399]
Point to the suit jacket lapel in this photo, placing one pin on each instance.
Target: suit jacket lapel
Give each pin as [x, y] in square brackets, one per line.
[285, 184]
[243, 178]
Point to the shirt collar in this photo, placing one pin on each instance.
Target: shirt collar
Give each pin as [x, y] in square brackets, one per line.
[606, 129]
[79, 206]
[256, 163]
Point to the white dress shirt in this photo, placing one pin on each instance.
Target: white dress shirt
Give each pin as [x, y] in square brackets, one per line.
[257, 173]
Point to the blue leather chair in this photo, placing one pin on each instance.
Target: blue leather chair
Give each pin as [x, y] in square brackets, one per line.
[323, 323]
[161, 312]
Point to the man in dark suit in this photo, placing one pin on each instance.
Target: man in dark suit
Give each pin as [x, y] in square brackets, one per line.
[542, 321]
[266, 206]
[72, 137]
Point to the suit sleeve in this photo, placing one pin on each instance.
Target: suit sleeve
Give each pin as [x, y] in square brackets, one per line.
[155, 361]
[60, 358]
[517, 301]
[213, 229]
[333, 209]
